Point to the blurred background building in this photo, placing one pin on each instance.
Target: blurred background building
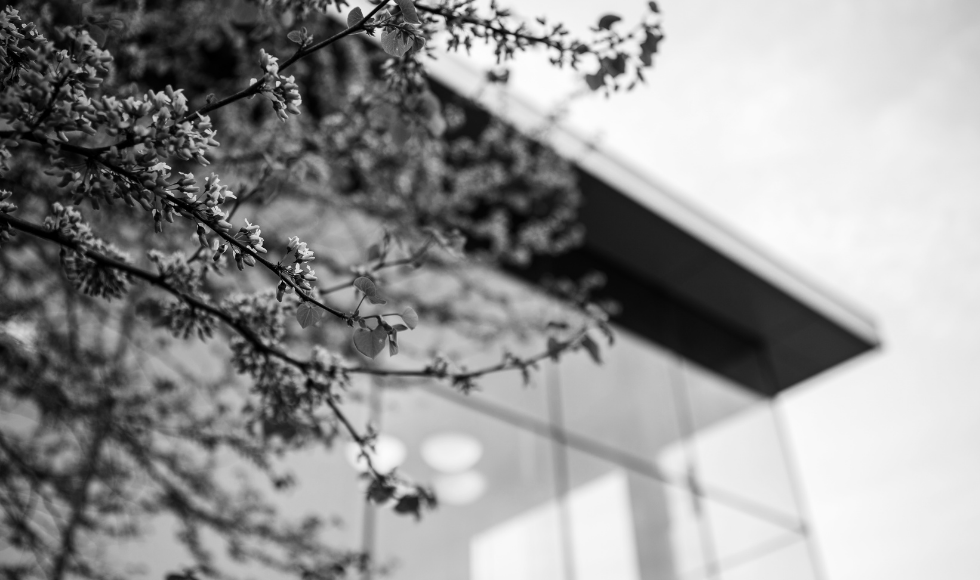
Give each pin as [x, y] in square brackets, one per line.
[668, 461]
[841, 137]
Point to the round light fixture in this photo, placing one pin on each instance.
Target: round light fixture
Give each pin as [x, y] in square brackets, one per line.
[388, 454]
[460, 488]
[451, 452]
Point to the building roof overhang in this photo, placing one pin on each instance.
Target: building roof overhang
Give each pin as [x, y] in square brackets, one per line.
[683, 280]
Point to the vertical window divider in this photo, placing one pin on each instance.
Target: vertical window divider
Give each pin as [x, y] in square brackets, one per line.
[559, 461]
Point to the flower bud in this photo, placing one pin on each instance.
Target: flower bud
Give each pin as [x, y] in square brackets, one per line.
[219, 251]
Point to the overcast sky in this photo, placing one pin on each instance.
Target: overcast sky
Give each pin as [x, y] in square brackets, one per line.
[843, 137]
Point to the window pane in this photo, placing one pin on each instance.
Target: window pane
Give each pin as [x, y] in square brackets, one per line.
[665, 537]
[738, 446]
[627, 402]
[790, 562]
[493, 518]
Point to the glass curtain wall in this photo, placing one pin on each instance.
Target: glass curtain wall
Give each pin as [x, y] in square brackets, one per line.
[647, 468]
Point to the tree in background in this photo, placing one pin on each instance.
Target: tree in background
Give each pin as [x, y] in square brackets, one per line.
[147, 326]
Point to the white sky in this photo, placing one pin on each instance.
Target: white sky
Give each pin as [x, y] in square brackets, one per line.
[843, 137]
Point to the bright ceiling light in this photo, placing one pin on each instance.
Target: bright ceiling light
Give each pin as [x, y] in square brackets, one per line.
[460, 488]
[388, 454]
[451, 452]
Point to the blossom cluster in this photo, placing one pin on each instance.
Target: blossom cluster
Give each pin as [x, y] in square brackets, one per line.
[160, 121]
[51, 81]
[5, 207]
[281, 90]
[13, 30]
[48, 94]
[175, 270]
[250, 235]
[300, 272]
[266, 318]
[191, 203]
[53, 94]
[85, 274]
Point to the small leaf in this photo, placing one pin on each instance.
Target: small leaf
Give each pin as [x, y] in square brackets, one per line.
[97, 34]
[608, 20]
[295, 36]
[380, 491]
[410, 317]
[116, 24]
[393, 344]
[364, 284]
[370, 343]
[376, 300]
[354, 17]
[396, 43]
[596, 81]
[307, 314]
[408, 11]
[654, 8]
[399, 327]
[615, 66]
[649, 46]
[592, 348]
[409, 504]
[374, 252]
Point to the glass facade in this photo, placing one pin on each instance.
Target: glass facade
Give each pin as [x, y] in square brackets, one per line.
[647, 467]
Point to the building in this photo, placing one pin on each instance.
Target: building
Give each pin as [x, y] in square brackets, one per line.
[667, 462]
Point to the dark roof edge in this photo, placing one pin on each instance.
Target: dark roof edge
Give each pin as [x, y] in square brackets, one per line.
[647, 192]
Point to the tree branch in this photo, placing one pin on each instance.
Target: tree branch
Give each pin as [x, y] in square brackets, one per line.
[448, 16]
[347, 32]
[512, 363]
[460, 378]
[191, 209]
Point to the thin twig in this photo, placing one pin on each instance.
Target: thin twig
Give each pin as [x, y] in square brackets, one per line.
[448, 15]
